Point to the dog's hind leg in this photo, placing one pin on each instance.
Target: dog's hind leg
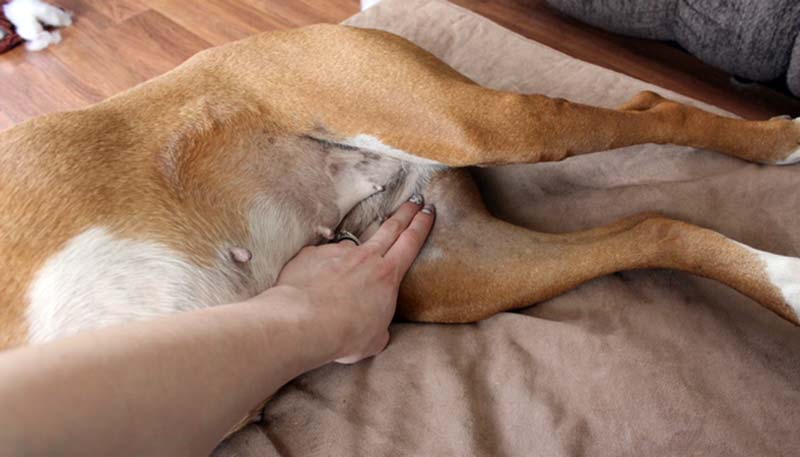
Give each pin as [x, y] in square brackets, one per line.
[475, 265]
[377, 91]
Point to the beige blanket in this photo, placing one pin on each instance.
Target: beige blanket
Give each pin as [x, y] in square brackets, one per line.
[638, 363]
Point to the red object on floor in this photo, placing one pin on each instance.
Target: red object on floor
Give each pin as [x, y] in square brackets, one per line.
[10, 38]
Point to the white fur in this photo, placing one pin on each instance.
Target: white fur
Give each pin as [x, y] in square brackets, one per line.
[370, 143]
[359, 176]
[434, 253]
[368, 4]
[794, 157]
[784, 273]
[98, 279]
[28, 17]
[277, 233]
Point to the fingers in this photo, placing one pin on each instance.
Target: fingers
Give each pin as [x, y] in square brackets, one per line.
[390, 230]
[411, 240]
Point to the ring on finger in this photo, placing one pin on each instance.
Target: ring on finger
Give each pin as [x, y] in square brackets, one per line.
[344, 235]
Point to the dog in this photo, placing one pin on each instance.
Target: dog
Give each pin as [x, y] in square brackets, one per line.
[195, 188]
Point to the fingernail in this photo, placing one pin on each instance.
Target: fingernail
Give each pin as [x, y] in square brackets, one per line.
[416, 199]
[429, 209]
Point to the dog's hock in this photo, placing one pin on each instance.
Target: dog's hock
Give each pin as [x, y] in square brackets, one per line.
[794, 156]
[784, 274]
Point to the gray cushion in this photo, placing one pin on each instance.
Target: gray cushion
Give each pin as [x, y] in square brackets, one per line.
[749, 38]
[793, 75]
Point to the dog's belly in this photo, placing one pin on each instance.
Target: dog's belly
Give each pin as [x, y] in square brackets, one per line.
[98, 279]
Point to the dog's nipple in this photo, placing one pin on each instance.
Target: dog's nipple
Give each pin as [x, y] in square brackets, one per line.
[325, 232]
[241, 255]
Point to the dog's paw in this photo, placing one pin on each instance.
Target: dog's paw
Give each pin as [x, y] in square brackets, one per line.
[43, 40]
[794, 155]
[783, 273]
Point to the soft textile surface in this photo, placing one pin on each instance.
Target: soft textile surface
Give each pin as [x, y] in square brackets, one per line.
[638, 363]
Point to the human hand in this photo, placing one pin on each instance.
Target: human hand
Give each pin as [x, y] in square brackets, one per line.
[357, 286]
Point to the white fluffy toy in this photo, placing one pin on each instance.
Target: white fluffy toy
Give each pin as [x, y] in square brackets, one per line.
[30, 17]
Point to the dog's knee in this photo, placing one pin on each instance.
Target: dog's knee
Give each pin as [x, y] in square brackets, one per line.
[643, 101]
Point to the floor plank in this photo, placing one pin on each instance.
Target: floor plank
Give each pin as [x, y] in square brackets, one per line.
[134, 50]
[5, 121]
[217, 21]
[116, 44]
[48, 86]
[115, 10]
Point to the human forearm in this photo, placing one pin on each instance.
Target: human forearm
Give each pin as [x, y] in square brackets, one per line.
[174, 386]
[170, 386]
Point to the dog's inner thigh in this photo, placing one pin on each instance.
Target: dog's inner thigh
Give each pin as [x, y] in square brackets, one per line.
[358, 175]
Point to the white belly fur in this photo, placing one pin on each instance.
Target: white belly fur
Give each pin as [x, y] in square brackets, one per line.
[98, 279]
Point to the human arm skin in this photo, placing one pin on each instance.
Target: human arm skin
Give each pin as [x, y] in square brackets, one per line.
[174, 386]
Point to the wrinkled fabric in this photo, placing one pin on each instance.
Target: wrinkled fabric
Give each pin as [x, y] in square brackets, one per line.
[793, 74]
[641, 363]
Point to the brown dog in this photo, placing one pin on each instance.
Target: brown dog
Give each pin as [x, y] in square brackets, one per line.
[195, 188]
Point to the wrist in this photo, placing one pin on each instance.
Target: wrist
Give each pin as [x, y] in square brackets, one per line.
[322, 332]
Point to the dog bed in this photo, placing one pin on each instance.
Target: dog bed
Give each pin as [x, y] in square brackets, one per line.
[636, 363]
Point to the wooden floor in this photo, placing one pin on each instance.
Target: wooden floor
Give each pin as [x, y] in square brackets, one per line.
[115, 44]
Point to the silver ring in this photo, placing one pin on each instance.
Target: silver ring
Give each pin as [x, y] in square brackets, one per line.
[342, 235]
